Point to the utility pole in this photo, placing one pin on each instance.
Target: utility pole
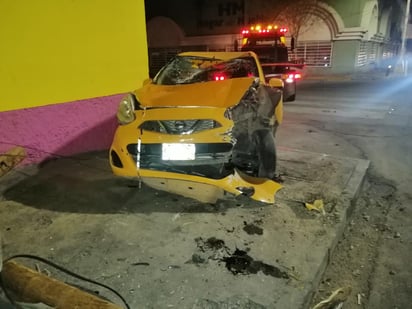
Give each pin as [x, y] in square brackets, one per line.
[403, 59]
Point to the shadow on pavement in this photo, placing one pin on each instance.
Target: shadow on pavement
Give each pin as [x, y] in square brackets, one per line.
[85, 184]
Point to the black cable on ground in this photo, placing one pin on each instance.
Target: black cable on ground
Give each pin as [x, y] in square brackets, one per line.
[61, 268]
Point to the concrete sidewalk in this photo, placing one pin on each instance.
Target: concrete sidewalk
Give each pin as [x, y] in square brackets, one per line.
[165, 251]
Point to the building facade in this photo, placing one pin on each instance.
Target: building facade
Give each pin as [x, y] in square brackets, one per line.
[64, 66]
[341, 37]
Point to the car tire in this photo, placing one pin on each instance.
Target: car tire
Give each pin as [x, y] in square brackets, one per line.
[264, 142]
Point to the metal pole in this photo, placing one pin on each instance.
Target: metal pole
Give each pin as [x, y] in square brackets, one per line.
[404, 61]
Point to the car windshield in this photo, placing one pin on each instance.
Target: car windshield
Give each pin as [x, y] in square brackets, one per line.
[193, 69]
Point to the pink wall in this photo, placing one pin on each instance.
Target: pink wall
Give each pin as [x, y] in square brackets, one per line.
[60, 130]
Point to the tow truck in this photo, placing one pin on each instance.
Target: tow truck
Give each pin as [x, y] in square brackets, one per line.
[269, 43]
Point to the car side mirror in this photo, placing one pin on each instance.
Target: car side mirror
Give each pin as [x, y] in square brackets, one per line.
[147, 81]
[276, 83]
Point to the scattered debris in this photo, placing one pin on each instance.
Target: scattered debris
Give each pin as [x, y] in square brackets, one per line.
[10, 159]
[213, 243]
[238, 262]
[317, 205]
[383, 227]
[234, 302]
[251, 229]
[279, 178]
[209, 249]
[241, 263]
[198, 259]
[335, 300]
[356, 272]
[44, 271]
[230, 230]
[366, 217]
[170, 267]
[359, 299]
[140, 264]
[397, 235]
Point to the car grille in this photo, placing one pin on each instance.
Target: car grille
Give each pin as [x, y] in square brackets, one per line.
[179, 126]
[212, 160]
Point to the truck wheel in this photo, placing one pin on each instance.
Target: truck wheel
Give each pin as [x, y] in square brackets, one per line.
[266, 152]
[292, 90]
[291, 98]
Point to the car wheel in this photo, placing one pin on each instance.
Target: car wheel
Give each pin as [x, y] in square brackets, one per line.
[266, 152]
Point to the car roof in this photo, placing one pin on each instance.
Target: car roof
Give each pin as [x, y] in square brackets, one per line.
[219, 55]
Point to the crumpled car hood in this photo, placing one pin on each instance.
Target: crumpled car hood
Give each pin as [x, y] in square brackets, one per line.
[225, 93]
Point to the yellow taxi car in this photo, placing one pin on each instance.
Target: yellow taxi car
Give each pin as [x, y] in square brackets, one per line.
[203, 127]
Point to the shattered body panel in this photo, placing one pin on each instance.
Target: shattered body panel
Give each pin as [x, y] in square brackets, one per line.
[217, 134]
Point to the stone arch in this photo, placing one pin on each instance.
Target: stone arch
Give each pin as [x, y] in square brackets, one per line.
[163, 32]
[330, 17]
[384, 24]
[370, 16]
[316, 30]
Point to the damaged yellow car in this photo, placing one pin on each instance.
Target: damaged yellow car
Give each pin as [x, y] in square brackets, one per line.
[203, 128]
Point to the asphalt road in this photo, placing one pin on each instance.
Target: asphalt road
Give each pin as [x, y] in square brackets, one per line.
[369, 119]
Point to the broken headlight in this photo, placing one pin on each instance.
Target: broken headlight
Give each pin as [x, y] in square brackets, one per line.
[125, 112]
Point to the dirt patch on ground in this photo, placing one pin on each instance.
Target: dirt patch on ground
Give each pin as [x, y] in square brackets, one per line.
[354, 259]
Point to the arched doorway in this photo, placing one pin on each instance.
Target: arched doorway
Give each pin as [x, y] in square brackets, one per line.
[314, 44]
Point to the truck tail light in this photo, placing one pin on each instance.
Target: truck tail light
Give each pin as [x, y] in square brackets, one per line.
[290, 78]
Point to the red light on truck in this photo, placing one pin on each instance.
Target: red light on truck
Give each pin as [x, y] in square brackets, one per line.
[266, 29]
[219, 77]
[290, 78]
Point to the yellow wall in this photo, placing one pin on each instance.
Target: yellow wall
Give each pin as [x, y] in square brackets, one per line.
[54, 51]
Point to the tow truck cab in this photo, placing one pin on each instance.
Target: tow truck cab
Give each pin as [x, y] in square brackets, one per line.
[269, 43]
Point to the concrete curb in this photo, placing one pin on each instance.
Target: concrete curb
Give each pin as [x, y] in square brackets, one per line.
[351, 194]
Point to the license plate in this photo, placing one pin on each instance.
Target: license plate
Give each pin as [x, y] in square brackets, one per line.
[178, 151]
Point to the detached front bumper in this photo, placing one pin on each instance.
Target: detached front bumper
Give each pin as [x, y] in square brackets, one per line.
[136, 153]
